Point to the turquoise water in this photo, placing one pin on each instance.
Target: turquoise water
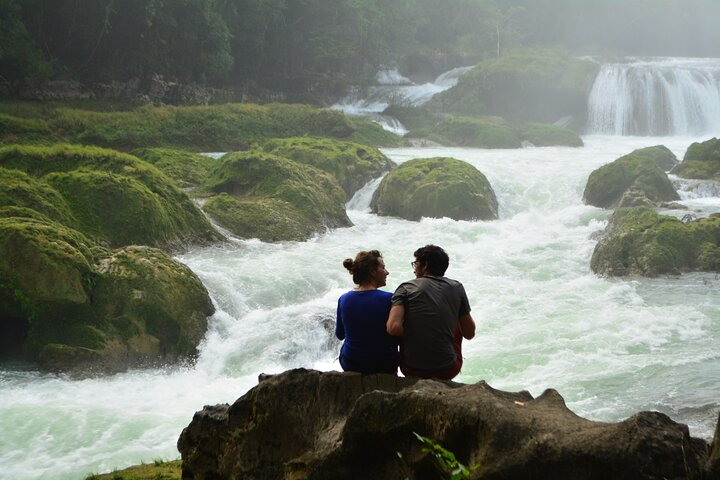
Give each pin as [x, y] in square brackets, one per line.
[611, 347]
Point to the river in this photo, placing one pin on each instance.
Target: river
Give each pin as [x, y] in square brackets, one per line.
[611, 347]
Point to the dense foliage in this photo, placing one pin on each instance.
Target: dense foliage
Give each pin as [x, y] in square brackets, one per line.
[306, 46]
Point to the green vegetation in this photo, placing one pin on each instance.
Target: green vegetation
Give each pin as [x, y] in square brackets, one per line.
[83, 306]
[631, 180]
[187, 169]
[224, 127]
[274, 198]
[435, 187]
[147, 208]
[445, 459]
[638, 241]
[484, 132]
[544, 135]
[352, 164]
[527, 85]
[158, 470]
[702, 161]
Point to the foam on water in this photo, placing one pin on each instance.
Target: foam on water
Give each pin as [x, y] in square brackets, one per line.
[611, 347]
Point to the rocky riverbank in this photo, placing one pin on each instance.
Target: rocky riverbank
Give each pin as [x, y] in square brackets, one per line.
[308, 424]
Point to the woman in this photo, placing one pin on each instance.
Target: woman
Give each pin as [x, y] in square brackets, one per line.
[361, 317]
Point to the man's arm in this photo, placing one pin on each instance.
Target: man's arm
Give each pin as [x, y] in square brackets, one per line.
[394, 325]
[467, 325]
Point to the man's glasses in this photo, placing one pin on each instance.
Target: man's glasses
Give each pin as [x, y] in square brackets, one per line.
[413, 264]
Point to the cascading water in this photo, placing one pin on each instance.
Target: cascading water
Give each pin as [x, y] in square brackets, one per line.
[395, 89]
[665, 96]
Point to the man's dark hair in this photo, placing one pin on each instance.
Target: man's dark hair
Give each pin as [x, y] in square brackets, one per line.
[434, 258]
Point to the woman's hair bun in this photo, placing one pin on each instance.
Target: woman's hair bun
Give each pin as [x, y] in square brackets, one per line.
[348, 264]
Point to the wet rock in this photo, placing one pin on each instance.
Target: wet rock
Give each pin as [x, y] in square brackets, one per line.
[307, 424]
[435, 187]
[638, 241]
[632, 180]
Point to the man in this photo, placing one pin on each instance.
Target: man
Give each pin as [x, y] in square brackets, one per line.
[432, 314]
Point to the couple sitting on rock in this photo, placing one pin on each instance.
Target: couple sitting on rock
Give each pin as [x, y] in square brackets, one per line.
[427, 317]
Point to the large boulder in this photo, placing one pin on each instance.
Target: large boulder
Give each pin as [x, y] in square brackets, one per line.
[265, 196]
[18, 189]
[69, 305]
[523, 86]
[311, 425]
[632, 180]
[713, 465]
[116, 198]
[638, 241]
[352, 164]
[435, 187]
[701, 161]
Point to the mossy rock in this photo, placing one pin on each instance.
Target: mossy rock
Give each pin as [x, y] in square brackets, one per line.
[479, 132]
[545, 135]
[639, 241]
[352, 164]
[82, 174]
[701, 161]
[187, 169]
[43, 264]
[526, 85]
[268, 219]
[21, 190]
[130, 307]
[116, 209]
[660, 154]
[310, 200]
[631, 180]
[435, 187]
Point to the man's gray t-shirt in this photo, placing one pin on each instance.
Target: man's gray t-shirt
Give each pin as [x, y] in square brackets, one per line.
[432, 308]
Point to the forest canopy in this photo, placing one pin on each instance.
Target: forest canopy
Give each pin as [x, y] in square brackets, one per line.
[314, 45]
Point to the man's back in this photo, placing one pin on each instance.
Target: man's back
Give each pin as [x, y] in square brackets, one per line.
[432, 307]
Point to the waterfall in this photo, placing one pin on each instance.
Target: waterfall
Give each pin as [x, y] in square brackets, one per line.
[395, 89]
[662, 96]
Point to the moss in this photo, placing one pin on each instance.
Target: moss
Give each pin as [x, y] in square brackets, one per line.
[158, 470]
[352, 164]
[701, 161]
[138, 216]
[435, 187]
[16, 129]
[638, 241]
[313, 197]
[18, 189]
[527, 85]
[187, 169]
[141, 290]
[485, 132]
[633, 178]
[660, 154]
[371, 134]
[543, 135]
[268, 219]
[43, 264]
[187, 223]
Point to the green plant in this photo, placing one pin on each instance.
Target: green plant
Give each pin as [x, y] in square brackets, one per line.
[446, 459]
